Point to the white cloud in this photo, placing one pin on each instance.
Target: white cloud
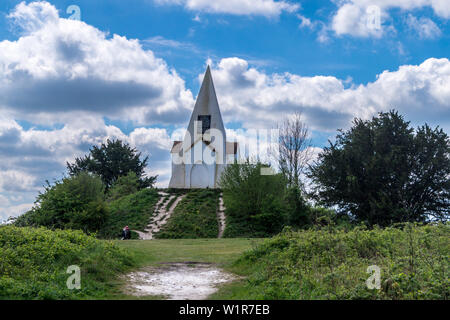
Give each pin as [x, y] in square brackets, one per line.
[420, 92]
[4, 201]
[355, 17]
[424, 27]
[357, 21]
[14, 211]
[59, 67]
[34, 15]
[305, 22]
[269, 8]
[161, 41]
[321, 27]
[14, 180]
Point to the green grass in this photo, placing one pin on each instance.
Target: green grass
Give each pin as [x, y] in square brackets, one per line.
[133, 210]
[332, 264]
[220, 251]
[194, 217]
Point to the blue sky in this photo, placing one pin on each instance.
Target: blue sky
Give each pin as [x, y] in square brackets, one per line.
[132, 70]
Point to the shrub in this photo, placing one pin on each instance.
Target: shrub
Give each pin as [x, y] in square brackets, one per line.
[331, 263]
[34, 261]
[255, 205]
[76, 202]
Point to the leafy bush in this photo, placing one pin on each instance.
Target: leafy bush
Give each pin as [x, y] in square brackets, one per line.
[34, 261]
[134, 210]
[255, 203]
[76, 202]
[331, 263]
[194, 217]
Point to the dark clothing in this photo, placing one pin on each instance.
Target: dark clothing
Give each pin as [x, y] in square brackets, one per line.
[126, 234]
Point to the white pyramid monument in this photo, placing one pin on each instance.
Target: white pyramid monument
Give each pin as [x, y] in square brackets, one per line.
[198, 160]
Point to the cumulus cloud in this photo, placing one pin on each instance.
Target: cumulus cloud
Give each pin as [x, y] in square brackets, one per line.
[61, 66]
[358, 21]
[269, 8]
[14, 180]
[257, 99]
[358, 17]
[34, 15]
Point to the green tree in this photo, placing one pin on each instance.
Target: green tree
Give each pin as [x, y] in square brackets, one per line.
[255, 202]
[111, 161]
[298, 210]
[76, 202]
[124, 185]
[381, 171]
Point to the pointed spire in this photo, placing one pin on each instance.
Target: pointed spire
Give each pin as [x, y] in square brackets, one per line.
[208, 72]
[207, 88]
[206, 99]
[207, 104]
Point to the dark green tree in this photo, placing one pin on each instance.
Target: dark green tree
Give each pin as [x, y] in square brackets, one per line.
[383, 171]
[111, 161]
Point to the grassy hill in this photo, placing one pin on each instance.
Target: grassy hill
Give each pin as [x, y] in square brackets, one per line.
[194, 217]
[133, 210]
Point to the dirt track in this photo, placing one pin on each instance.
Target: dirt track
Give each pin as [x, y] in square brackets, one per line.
[178, 281]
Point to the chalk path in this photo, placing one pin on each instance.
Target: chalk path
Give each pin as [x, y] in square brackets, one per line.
[177, 281]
